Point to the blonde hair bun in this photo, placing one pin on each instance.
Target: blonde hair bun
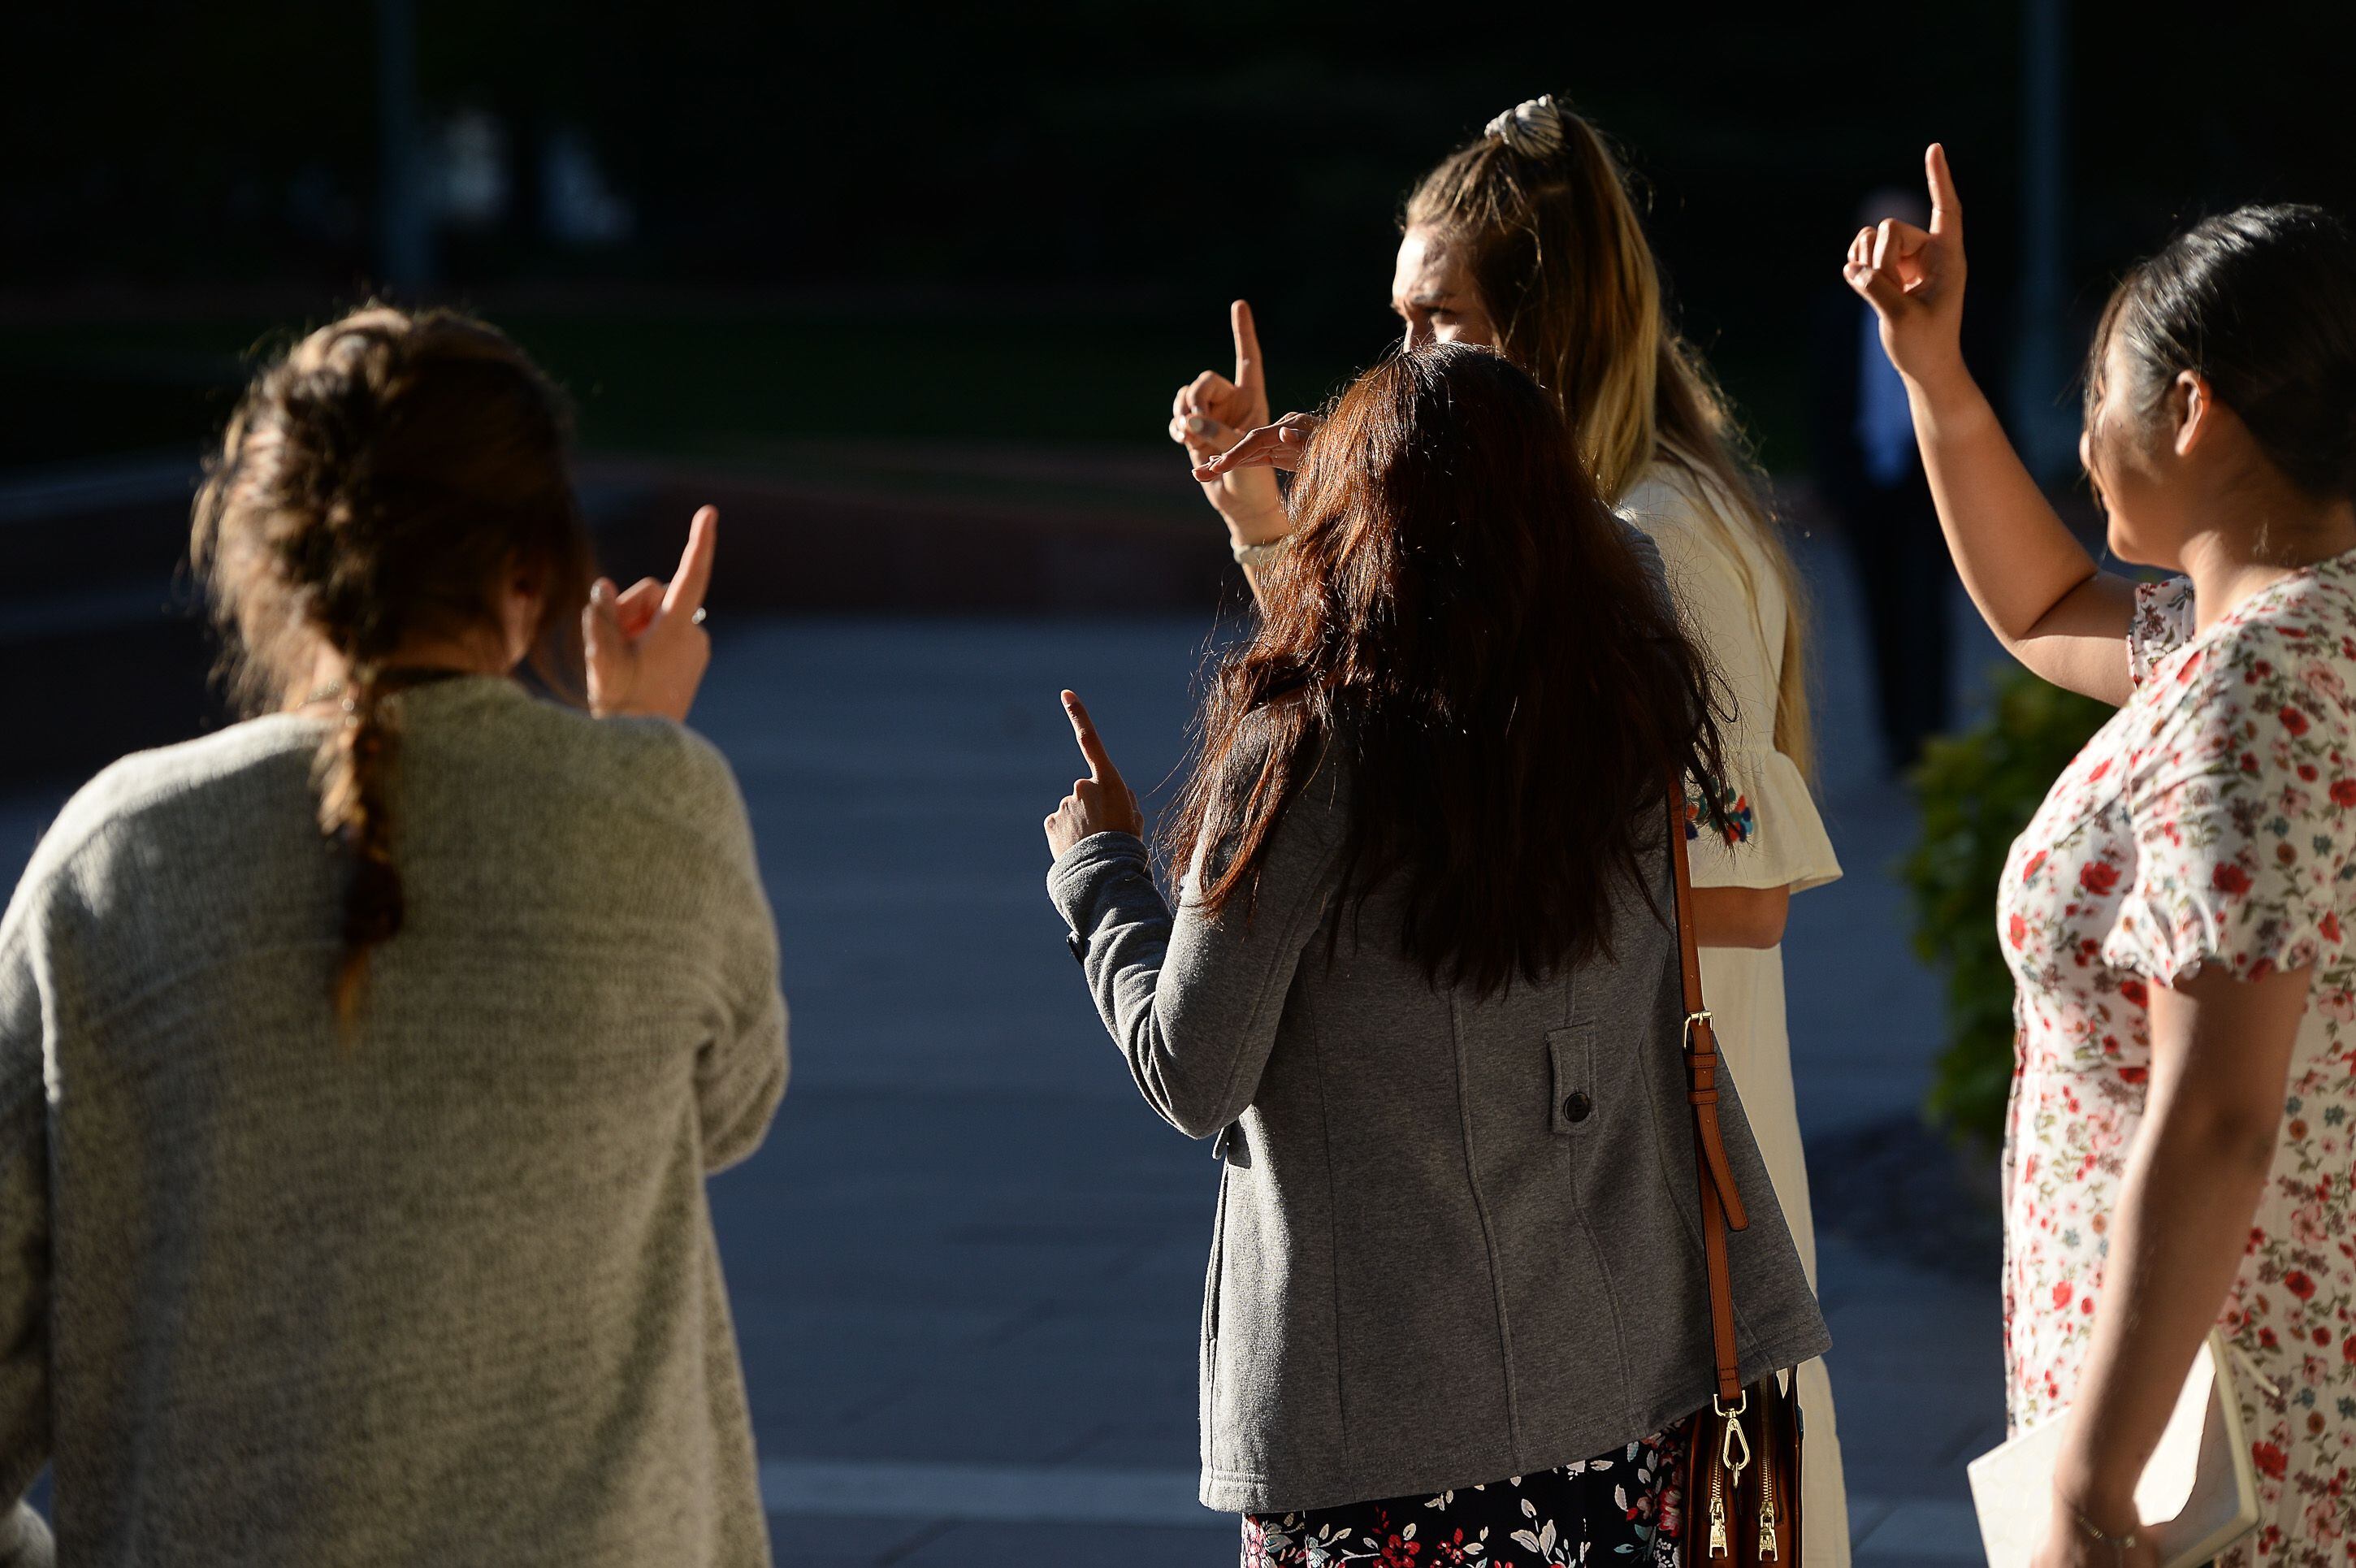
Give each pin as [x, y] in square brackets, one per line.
[1532, 127]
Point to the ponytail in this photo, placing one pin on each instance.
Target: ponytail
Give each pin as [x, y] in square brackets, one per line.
[380, 484]
[1542, 203]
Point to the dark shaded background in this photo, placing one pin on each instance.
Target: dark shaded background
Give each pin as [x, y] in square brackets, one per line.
[1023, 219]
[907, 289]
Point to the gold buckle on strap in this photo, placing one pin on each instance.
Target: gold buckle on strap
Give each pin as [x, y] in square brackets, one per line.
[1734, 1447]
[1691, 1019]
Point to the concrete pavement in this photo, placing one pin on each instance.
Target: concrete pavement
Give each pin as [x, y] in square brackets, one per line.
[966, 1268]
[983, 1257]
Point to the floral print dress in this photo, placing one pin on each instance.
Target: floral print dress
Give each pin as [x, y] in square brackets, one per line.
[1621, 1508]
[2213, 820]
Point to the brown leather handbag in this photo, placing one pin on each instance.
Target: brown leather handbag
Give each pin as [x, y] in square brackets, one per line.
[1743, 1460]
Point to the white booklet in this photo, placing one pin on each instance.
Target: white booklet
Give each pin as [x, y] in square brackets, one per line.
[2197, 1496]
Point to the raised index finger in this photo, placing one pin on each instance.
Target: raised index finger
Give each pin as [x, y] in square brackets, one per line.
[1248, 371]
[693, 578]
[1946, 206]
[1084, 730]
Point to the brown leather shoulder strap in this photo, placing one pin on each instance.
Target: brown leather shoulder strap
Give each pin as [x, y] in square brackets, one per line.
[1722, 1204]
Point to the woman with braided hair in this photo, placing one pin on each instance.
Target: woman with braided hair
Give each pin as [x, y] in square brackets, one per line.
[1527, 239]
[360, 1064]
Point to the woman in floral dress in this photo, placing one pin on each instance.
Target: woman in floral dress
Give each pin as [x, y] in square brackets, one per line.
[2179, 1149]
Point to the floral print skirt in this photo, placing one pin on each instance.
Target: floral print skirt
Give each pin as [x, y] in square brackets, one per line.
[1621, 1508]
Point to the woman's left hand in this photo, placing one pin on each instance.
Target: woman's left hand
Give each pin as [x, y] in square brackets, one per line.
[2067, 1545]
[1278, 446]
[645, 647]
[1101, 803]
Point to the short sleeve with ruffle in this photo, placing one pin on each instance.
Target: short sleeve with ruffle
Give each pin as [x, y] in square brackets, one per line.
[2241, 788]
[1773, 836]
[1731, 603]
[2161, 624]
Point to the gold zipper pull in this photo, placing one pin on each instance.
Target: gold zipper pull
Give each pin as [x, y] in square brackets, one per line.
[1718, 1544]
[1767, 1525]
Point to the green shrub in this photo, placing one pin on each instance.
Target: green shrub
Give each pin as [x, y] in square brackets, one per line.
[1976, 790]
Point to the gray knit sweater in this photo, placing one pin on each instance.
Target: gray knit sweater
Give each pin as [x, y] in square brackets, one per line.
[447, 1293]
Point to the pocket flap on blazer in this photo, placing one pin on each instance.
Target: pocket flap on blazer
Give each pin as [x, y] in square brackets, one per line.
[1572, 1051]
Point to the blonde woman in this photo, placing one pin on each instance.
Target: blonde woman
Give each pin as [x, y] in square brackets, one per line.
[1526, 239]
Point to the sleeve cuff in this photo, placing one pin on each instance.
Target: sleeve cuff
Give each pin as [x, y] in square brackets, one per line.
[1266, 553]
[2169, 943]
[2160, 624]
[24, 1540]
[1076, 882]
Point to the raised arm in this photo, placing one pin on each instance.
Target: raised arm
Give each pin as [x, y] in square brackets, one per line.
[1193, 1002]
[1210, 415]
[2036, 586]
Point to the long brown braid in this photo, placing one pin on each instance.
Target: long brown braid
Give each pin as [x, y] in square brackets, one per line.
[380, 484]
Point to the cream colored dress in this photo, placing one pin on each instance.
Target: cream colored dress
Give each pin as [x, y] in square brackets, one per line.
[1733, 607]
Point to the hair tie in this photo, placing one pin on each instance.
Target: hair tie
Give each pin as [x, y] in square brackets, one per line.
[1532, 127]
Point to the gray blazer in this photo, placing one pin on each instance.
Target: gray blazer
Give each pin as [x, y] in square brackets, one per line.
[1457, 1239]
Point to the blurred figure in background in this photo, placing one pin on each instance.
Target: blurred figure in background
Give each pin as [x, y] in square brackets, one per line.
[362, 1064]
[1527, 239]
[1871, 476]
[1419, 984]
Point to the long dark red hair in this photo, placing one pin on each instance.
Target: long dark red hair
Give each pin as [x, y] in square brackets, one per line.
[1465, 619]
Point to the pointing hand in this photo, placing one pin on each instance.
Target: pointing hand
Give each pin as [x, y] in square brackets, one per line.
[1211, 413]
[645, 649]
[1099, 803]
[1914, 278]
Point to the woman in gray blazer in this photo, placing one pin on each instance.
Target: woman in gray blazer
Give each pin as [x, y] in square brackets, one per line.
[1422, 985]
